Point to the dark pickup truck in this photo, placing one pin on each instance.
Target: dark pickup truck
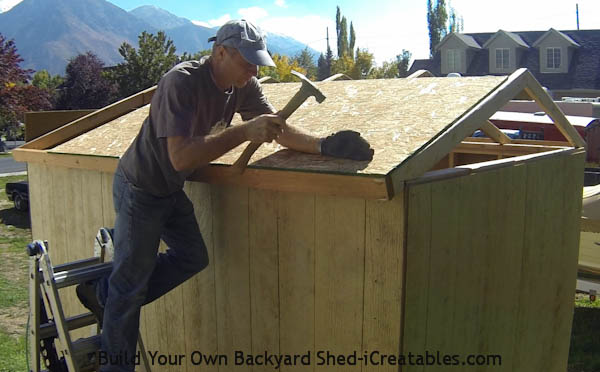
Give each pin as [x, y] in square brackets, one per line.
[18, 192]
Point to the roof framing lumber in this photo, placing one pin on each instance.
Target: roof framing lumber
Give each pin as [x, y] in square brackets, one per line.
[541, 97]
[431, 153]
[90, 121]
[494, 133]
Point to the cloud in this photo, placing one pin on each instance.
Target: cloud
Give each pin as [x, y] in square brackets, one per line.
[200, 23]
[253, 14]
[310, 30]
[6, 5]
[214, 22]
[281, 3]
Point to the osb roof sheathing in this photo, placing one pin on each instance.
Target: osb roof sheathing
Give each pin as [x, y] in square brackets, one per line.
[397, 116]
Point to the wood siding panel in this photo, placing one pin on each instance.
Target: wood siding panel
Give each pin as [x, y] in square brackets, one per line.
[566, 262]
[445, 214]
[232, 272]
[296, 236]
[473, 228]
[339, 278]
[34, 178]
[418, 251]
[264, 271]
[108, 208]
[503, 250]
[384, 279]
[200, 328]
[541, 239]
[505, 210]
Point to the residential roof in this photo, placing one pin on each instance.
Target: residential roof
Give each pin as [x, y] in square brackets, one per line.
[411, 123]
[584, 72]
[561, 34]
[464, 38]
[389, 113]
[511, 35]
[422, 64]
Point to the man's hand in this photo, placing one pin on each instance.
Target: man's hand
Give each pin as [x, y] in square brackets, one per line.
[264, 128]
[347, 144]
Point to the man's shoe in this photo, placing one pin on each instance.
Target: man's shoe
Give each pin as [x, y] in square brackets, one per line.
[86, 292]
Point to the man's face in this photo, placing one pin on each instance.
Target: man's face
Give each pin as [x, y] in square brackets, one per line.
[241, 70]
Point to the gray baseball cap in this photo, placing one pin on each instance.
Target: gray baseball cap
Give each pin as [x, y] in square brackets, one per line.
[247, 39]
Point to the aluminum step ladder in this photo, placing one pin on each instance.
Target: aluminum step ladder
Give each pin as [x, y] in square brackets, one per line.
[47, 319]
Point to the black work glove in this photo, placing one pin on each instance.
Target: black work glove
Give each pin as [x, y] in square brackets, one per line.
[347, 144]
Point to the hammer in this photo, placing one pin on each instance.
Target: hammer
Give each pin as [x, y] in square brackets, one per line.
[307, 89]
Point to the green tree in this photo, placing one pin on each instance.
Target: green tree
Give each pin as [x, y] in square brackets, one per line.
[194, 57]
[323, 68]
[282, 71]
[402, 61]
[363, 63]
[306, 60]
[338, 29]
[44, 80]
[145, 66]
[325, 62]
[345, 45]
[352, 42]
[388, 70]
[437, 17]
[456, 23]
[393, 69]
[343, 39]
[343, 65]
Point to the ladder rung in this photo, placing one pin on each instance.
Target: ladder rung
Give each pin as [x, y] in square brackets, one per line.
[76, 322]
[77, 264]
[76, 276]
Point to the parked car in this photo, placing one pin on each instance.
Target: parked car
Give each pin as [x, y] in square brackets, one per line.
[18, 192]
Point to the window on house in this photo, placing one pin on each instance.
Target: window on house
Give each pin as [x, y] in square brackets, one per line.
[453, 60]
[502, 55]
[553, 57]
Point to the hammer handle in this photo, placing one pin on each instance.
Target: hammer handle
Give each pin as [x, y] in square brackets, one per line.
[293, 104]
[240, 165]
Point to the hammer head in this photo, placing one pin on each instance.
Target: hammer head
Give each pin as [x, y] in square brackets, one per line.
[309, 88]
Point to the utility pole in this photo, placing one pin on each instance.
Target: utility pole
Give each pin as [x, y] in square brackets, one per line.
[577, 12]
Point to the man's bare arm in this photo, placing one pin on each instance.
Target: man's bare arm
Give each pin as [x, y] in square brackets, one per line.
[297, 139]
[190, 153]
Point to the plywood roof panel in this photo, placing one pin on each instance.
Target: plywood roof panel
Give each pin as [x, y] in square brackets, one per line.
[397, 116]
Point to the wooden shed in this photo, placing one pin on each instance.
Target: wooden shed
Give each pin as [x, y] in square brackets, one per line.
[443, 249]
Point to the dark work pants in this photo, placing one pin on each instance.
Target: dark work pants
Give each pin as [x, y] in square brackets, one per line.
[140, 275]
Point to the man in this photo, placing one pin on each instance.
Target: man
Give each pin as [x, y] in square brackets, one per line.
[174, 141]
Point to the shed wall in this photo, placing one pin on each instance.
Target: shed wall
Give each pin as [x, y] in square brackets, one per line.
[289, 273]
[491, 264]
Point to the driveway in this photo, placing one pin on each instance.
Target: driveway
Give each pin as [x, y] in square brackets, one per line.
[9, 165]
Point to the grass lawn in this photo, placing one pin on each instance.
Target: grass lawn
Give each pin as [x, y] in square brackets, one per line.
[15, 234]
[584, 355]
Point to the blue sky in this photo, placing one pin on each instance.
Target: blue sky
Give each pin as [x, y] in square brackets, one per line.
[384, 27]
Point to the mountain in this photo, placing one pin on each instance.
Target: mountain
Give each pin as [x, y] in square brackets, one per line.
[158, 18]
[48, 33]
[188, 37]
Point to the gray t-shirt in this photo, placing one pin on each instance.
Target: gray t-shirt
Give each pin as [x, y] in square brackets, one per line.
[186, 103]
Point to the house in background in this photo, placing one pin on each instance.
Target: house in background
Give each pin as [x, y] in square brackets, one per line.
[565, 62]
